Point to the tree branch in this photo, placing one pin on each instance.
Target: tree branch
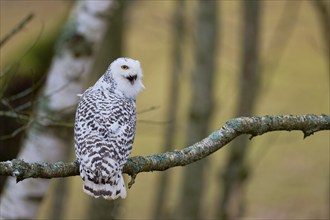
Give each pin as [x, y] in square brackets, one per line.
[16, 29]
[253, 126]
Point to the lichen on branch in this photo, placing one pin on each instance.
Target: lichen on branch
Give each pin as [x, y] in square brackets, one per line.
[253, 126]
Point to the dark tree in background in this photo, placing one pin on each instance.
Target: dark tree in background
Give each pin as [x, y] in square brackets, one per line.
[322, 8]
[193, 186]
[323, 12]
[236, 170]
[169, 137]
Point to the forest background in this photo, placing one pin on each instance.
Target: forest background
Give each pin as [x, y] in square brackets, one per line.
[288, 175]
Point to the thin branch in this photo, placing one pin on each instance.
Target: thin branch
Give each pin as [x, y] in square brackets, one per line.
[16, 63]
[152, 108]
[253, 126]
[15, 132]
[12, 114]
[16, 29]
[28, 91]
[153, 122]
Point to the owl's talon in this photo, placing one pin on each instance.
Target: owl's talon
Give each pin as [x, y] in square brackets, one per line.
[130, 184]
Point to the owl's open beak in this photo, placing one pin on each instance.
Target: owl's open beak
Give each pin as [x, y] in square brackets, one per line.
[132, 79]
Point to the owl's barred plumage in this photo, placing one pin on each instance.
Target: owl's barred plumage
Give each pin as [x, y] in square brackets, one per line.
[105, 128]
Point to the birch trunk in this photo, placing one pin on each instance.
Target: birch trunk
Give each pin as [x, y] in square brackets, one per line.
[76, 49]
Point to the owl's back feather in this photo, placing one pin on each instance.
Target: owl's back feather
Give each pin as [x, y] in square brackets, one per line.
[104, 139]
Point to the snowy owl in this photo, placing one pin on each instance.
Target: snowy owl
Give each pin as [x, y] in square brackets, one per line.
[105, 128]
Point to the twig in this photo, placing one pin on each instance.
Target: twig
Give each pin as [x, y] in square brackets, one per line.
[16, 29]
[152, 108]
[12, 114]
[27, 91]
[16, 131]
[153, 122]
[253, 126]
[16, 63]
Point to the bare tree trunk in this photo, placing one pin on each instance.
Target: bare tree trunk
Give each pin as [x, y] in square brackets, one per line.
[323, 12]
[279, 42]
[322, 8]
[176, 55]
[76, 50]
[236, 173]
[201, 106]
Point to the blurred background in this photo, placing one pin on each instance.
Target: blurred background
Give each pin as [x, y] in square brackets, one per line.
[204, 63]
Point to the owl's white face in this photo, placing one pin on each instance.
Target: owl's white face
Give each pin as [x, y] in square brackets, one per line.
[127, 74]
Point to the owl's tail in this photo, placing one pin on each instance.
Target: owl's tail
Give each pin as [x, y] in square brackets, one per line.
[112, 190]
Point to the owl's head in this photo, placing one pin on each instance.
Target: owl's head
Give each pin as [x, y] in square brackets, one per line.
[127, 75]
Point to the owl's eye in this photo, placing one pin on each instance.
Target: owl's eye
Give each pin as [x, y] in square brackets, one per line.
[124, 67]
